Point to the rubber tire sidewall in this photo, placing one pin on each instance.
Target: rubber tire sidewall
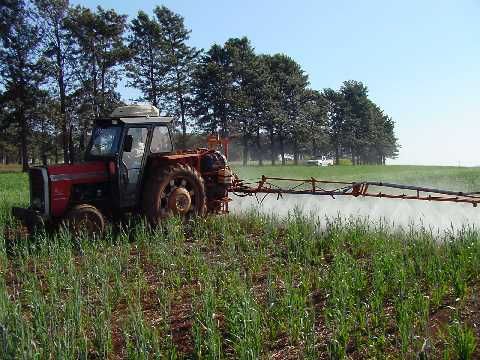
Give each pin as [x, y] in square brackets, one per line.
[157, 182]
[78, 211]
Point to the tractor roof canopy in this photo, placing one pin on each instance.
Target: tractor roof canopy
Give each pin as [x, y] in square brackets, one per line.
[135, 115]
[135, 111]
[135, 121]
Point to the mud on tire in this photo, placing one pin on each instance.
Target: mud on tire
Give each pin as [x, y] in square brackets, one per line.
[174, 190]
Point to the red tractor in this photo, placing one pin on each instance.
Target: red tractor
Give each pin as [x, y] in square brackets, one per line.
[130, 166]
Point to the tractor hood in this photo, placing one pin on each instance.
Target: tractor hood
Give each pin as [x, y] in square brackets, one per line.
[63, 179]
[93, 171]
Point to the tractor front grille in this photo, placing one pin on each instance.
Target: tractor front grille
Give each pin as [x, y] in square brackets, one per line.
[37, 189]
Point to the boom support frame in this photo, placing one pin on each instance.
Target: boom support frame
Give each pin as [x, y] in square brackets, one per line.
[268, 185]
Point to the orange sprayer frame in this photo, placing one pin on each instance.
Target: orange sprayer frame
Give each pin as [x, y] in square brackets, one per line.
[271, 185]
[214, 142]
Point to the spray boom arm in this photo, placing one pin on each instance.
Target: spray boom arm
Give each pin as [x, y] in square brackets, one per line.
[270, 185]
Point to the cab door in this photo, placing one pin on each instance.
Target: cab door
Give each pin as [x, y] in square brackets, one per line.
[131, 164]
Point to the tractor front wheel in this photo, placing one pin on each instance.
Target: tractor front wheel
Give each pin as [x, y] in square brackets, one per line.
[175, 190]
[86, 219]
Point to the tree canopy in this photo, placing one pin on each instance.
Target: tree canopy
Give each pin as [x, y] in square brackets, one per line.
[61, 66]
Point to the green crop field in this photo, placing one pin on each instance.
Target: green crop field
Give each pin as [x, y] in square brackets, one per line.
[247, 287]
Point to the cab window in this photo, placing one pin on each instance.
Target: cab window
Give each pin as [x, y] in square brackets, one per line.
[104, 141]
[160, 140]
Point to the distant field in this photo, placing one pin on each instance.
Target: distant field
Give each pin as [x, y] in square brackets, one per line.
[244, 287]
[10, 168]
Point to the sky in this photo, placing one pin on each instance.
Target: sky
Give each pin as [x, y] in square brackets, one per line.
[419, 59]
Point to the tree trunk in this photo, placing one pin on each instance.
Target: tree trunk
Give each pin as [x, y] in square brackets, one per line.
[102, 82]
[71, 146]
[295, 150]
[180, 99]
[337, 154]
[181, 104]
[245, 145]
[83, 139]
[272, 146]
[24, 144]
[61, 88]
[43, 155]
[153, 84]
[43, 143]
[259, 148]
[282, 150]
[94, 79]
[224, 122]
[245, 154]
[184, 121]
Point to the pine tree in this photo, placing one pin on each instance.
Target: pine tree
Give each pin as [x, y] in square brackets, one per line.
[314, 113]
[357, 118]
[244, 83]
[290, 85]
[335, 120]
[270, 102]
[100, 49]
[213, 92]
[58, 48]
[148, 65]
[263, 106]
[22, 69]
[99, 52]
[383, 143]
[180, 59]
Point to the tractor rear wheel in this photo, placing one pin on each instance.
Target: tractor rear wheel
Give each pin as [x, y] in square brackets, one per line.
[175, 190]
[85, 219]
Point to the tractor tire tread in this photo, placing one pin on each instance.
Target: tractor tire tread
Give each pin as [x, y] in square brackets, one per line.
[159, 179]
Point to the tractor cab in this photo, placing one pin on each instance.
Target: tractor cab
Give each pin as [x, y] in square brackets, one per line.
[125, 141]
